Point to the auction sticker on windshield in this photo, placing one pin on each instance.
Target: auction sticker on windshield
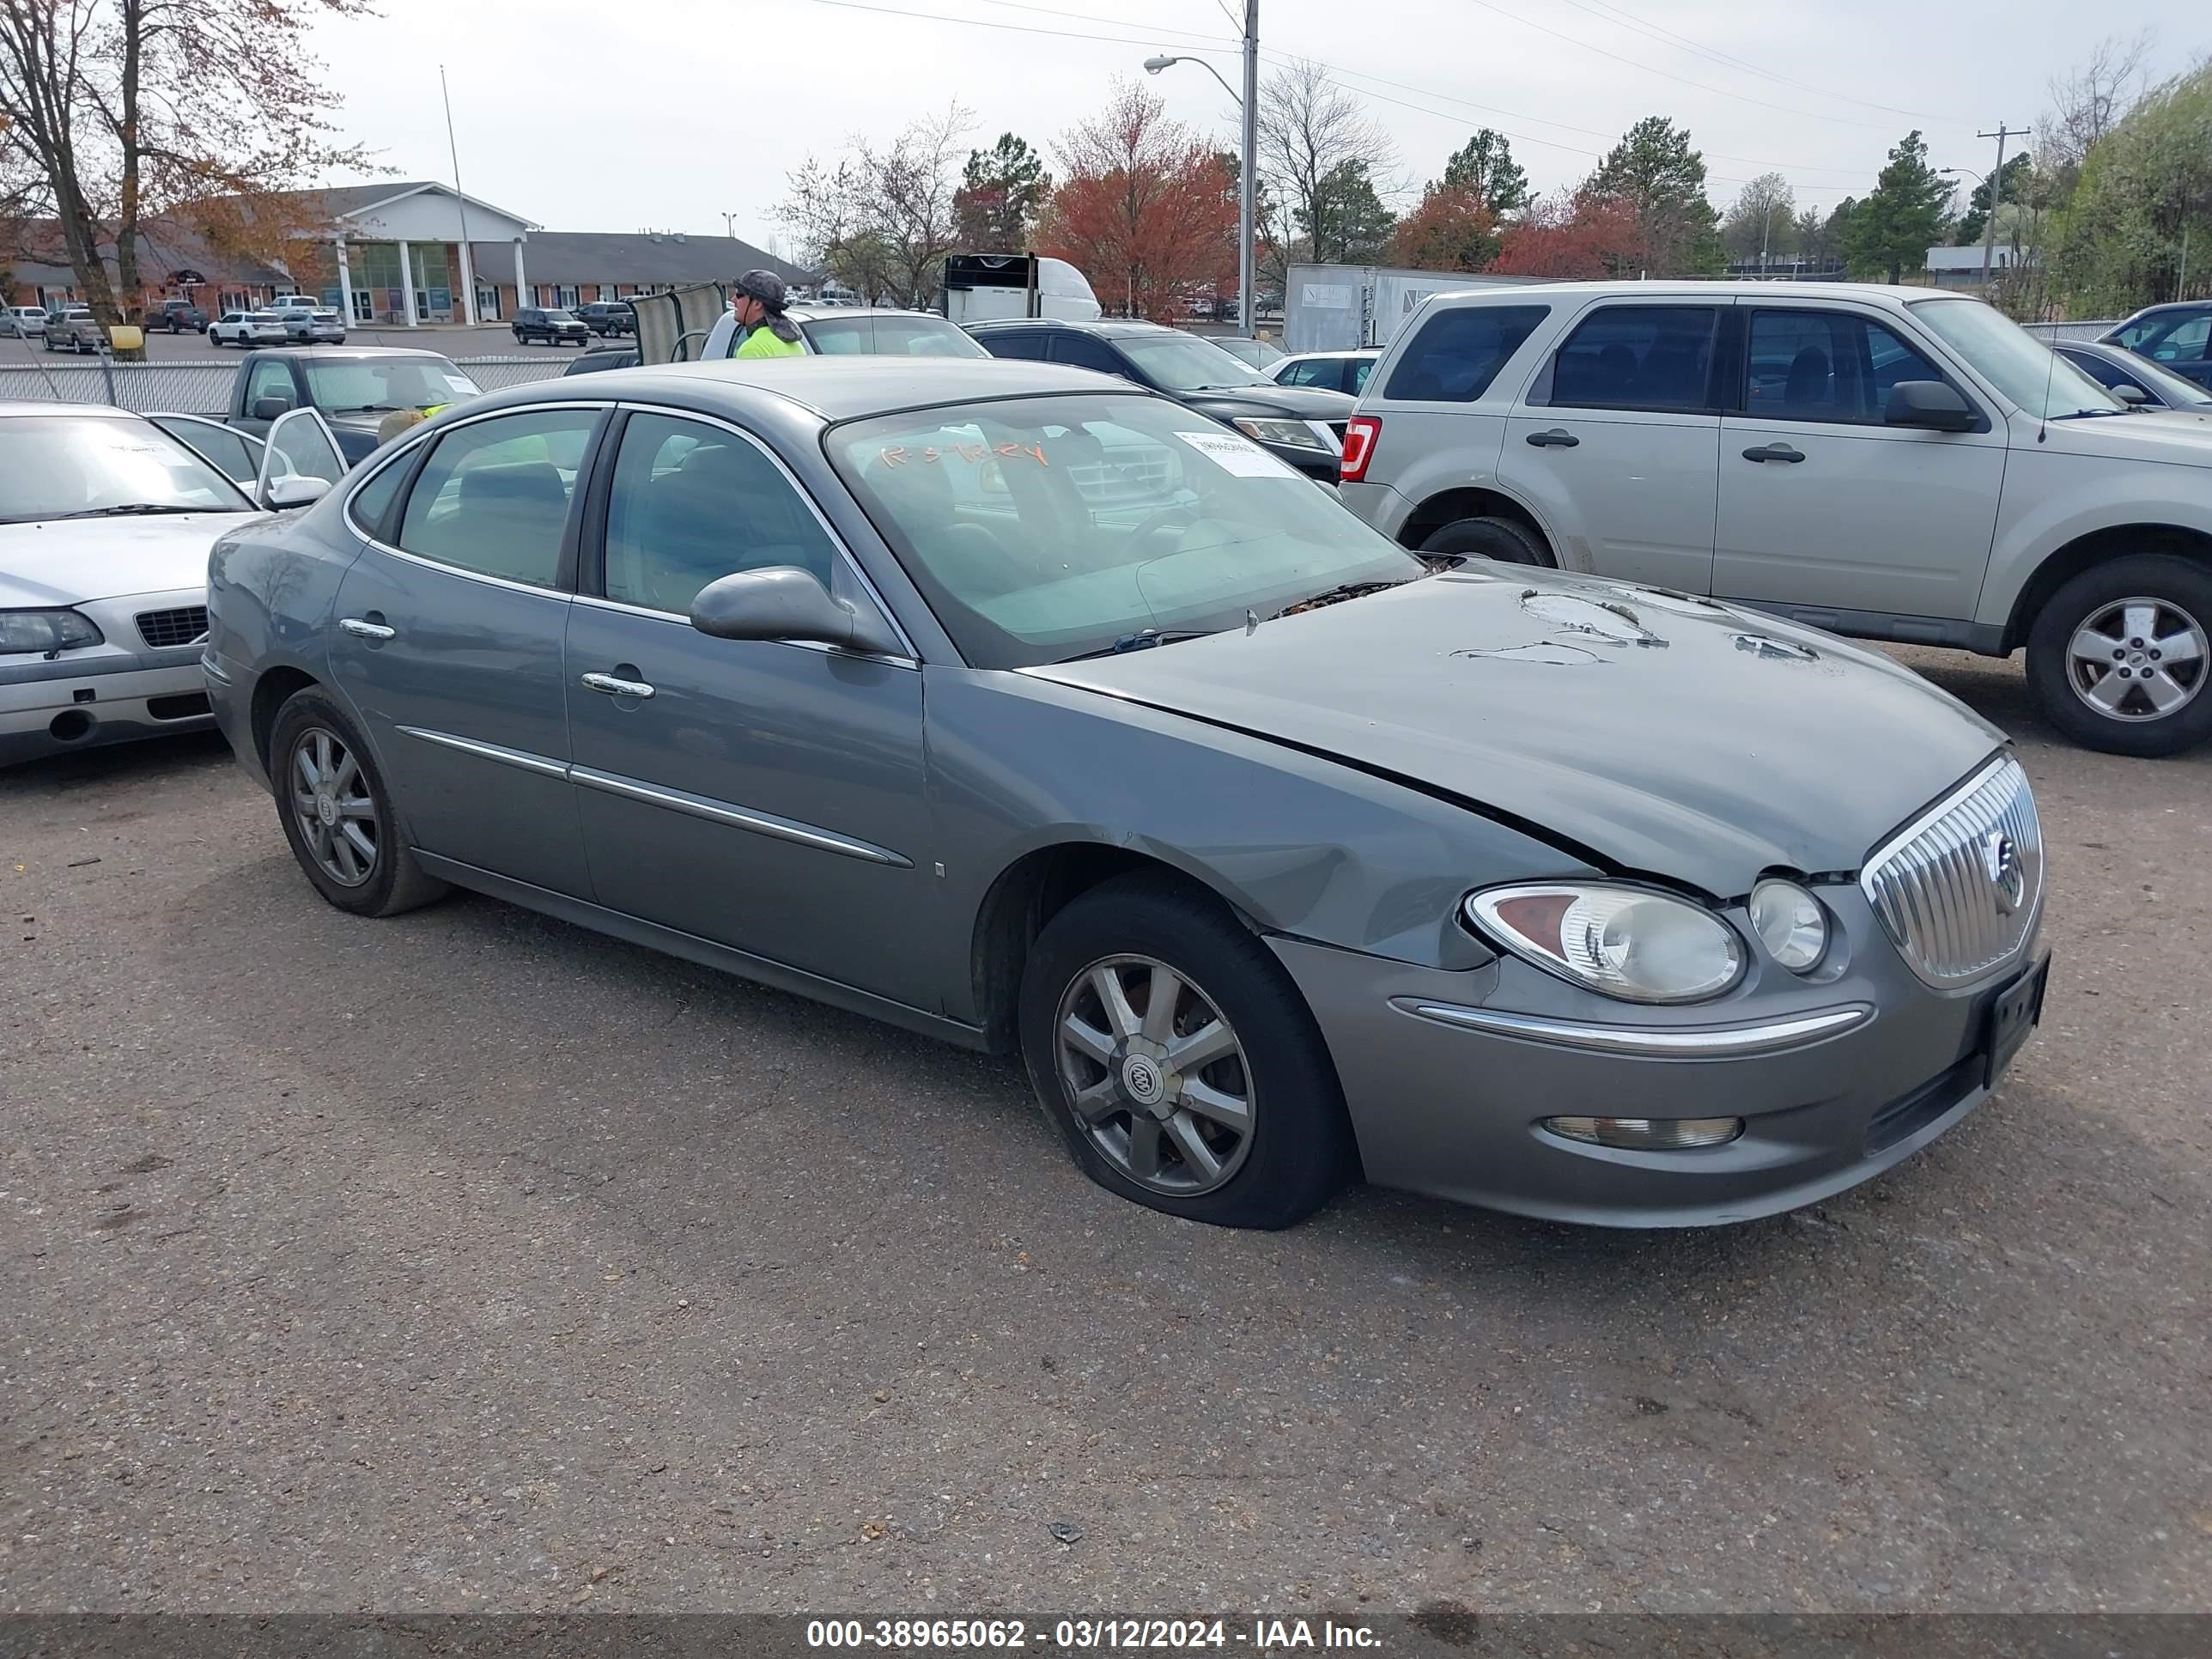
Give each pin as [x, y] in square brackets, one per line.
[1235, 455]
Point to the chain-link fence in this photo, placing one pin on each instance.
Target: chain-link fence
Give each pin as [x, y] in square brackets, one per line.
[2051, 333]
[201, 388]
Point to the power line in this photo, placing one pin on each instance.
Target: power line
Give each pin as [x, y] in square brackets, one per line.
[1013, 28]
[1606, 12]
[1653, 69]
[1091, 17]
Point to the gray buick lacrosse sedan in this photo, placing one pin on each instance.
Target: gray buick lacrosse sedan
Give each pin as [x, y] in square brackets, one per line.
[1028, 710]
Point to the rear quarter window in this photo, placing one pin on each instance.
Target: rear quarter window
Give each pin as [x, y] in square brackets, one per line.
[1458, 353]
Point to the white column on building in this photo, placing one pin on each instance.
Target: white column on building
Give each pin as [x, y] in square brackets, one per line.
[468, 286]
[521, 281]
[407, 282]
[345, 281]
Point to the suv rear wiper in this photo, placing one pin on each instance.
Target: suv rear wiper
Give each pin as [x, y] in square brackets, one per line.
[134, 509]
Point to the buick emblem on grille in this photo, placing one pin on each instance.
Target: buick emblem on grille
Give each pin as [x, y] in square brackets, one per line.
[2001, 861]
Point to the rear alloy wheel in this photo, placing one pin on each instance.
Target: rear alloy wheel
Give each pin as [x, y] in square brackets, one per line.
[1178, 1060]
[2119, 657]
[337, 816]
[1485, 537]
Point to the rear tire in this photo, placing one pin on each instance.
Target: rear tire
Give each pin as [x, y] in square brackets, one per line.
[1487, 538]
[2107, 696]
[1268, 1068]
[370, 872]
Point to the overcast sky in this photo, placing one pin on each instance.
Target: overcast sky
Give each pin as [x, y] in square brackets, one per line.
[669, 114]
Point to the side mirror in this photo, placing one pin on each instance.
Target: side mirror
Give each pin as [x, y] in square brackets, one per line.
[2133, 395]
[293, 490]
[786, 603]
[267, 408]
[1929, 404]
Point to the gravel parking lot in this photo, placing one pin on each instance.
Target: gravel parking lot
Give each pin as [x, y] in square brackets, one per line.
[471, 1261]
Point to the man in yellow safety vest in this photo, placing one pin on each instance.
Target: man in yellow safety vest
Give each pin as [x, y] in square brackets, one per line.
[757, 301]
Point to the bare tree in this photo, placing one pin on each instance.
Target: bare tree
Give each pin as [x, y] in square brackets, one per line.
[881, 218]
[1314, 136]
[1763, 219]
[2088, 103]
[211, 111]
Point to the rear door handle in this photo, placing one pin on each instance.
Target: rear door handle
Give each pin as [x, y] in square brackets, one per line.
[1557, 438]
[367, 630]
[618, 687]
[1773, 452]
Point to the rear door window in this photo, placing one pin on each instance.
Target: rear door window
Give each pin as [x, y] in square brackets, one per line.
[1081, 351]
[1656, 358]
[1027, 343]
[493, 498]
[1459, 352]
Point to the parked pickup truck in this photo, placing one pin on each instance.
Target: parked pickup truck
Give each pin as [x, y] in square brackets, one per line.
[354, 386]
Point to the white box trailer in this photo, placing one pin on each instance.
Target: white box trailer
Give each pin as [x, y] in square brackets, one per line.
[982, 287]
[1344, 307]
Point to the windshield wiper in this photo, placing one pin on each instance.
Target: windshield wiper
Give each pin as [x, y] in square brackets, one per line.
[1145, 640]
[365, 409]
[1338, 595]
[137, 509]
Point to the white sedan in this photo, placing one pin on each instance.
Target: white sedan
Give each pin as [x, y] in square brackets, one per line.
[104, 525]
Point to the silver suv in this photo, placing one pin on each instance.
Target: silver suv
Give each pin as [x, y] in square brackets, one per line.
[1892, 464]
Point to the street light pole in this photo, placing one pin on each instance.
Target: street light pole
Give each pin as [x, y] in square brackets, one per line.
[1996, 182]
[1247, 166]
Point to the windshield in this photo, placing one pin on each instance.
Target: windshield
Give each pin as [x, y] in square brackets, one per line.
[1183, 362]
[1045, 528]
[1258, 353]
[62, 465]
[374, 383]
[559, 317]
[2027, 371]
[893, 337]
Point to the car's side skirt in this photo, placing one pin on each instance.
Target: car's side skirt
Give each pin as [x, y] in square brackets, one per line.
[704, 951]
[1986, 638]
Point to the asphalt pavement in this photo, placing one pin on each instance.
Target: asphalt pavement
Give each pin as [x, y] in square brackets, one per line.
[471, 1261]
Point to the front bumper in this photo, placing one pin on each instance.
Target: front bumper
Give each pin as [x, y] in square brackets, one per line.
[91, 704]
[1443, 1107]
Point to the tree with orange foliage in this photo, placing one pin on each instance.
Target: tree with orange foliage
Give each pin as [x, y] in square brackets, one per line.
[1144, 209]
[1453, 229]
[1571, 236]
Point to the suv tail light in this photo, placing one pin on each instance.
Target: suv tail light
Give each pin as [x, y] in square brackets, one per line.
[1360, 436]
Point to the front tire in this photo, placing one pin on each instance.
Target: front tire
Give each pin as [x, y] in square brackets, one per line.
[1178, 1060]
[336, 814]
[1486, 537]
[2119, 657]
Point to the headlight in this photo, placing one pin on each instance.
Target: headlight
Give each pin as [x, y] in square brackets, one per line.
[45, 631]
[1623, 942]
[1789, 923]
[1286, 434]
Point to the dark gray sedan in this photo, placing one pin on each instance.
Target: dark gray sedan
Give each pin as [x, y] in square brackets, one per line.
[1021, 708]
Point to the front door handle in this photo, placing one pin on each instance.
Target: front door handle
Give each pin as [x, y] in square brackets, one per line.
[618, 687]
[363, 630]
[1773, 452]
[1557, 438]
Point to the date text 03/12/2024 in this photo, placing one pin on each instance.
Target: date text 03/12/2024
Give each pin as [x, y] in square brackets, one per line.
[1260, 1635]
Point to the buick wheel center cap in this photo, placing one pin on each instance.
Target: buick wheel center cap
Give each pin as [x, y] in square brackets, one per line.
[326, 808]
[1142, 1080]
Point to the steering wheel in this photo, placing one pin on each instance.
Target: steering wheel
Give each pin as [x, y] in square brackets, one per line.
[1160, 520]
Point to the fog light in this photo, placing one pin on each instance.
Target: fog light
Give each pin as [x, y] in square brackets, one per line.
[1648, 1135]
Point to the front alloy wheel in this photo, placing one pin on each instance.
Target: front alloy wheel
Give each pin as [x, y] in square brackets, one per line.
[2137, 659]
[1156, 1076]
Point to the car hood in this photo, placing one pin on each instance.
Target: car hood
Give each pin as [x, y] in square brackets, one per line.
[74, 561]
[2170, 437]
[1663, 734]
[1299, 403]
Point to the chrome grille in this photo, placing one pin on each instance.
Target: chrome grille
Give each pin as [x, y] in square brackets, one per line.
[163, 629]
[1943, 885]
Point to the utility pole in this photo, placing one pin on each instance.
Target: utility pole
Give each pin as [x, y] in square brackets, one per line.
[1997, 190]
[1247, 185]
[468, 259]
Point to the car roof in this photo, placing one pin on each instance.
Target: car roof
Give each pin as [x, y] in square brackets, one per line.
[812, 314]
[1355, 351]
[1110, 325]
[833, 388]
[1678, 289]
[41, 406]
[349, 353]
